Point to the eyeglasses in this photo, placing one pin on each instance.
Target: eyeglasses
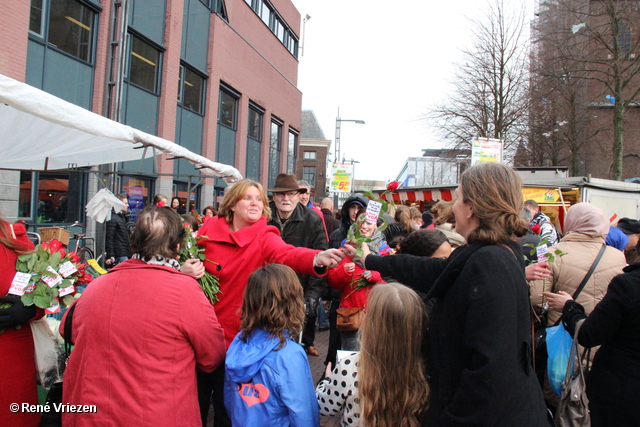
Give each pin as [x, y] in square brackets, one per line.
[288, 194]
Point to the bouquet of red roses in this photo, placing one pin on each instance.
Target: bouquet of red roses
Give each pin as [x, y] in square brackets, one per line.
[48, 276]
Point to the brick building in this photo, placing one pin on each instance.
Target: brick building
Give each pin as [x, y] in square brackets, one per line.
[218, 77]
[312, 162]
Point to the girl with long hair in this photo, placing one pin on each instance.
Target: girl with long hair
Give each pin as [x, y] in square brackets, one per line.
[384, 384]
[267, 378]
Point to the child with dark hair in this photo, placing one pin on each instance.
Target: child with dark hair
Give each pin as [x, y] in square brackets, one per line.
[425, 242]
[267, 378]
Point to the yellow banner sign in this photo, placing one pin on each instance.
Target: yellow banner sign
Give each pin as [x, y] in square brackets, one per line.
[541, 195]
[341, 178]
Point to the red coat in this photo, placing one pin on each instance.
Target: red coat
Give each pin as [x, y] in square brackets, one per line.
[139, 333]
[338, 278]
[17, 365]
[239, 254]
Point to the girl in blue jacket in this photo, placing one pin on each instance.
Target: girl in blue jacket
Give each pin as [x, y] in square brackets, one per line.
[267, 380]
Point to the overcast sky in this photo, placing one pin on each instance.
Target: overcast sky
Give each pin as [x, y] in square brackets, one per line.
[382, 62]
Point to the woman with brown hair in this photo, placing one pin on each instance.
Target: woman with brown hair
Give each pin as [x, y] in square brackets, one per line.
[385, 383]
[479, 342]
[139, 333]
[400, 228]
[267, 379]
[17, 360]
[445, 221]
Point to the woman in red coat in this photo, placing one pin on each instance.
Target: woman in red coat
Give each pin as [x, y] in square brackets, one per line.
[18, 377]
[140, 332]
[239, 241]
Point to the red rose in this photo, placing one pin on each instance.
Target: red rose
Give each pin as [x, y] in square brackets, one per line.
[63, 253]
[74, 257]
[392, 186]
[161, 204]
[54, 246]
[536, 228]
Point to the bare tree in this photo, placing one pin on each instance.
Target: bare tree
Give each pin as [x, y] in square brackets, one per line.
[603, 50]
[489, 96]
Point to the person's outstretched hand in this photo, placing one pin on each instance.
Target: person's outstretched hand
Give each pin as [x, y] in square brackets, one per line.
[17, 314]
[329, 258]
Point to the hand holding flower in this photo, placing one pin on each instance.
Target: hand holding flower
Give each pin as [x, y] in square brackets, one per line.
[194, 267]
[557, 301]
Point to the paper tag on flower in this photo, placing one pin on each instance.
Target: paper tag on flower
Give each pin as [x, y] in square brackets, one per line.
[542, 252]
[373, 211]
[52, 281]
[67, 269]
[66, 291]
[31, 288]
[53, 309]
[19, 283]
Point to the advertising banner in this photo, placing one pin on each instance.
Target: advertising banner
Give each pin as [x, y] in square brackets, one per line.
[485, 150]
[341, 178]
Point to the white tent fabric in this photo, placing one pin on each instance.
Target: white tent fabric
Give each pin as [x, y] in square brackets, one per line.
[39, 131]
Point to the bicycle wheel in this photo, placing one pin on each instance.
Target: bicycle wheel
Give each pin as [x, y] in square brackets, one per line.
[85, 254]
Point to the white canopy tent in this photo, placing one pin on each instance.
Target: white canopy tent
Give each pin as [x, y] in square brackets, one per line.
[39, 131]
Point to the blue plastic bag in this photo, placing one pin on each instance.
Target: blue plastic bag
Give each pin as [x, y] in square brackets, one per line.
[558, 348]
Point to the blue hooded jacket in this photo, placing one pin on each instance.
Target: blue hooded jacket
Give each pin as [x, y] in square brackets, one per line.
[616, 238]
[264, 387]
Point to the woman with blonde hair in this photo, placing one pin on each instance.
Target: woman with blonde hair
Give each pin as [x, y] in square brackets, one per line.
[445, 221]
[385, 383]
[479, 342]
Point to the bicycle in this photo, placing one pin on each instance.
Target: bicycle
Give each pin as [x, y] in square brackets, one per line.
[84, 252]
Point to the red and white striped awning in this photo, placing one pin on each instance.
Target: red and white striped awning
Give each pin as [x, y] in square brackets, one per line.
[419, 195]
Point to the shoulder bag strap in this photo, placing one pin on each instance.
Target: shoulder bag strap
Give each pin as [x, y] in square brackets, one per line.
[590, 272]
[68, 329]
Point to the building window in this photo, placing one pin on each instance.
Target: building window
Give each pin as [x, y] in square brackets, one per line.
[309, 175]
[191, 90]
[227, 109]
[255, 123]
[36, 17]
[624, 38]
[275, 146]
[276, 24]
[309, 155]
[143, 65]
[292, 151]
[71, 26]
[58, 197]
[254, 142]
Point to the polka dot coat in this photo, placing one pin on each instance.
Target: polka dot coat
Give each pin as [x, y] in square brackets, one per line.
[339, 392]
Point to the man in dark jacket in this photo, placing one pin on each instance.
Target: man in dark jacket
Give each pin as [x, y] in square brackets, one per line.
[330, 221]
[300, 226]
[349, 211]
[117, 239]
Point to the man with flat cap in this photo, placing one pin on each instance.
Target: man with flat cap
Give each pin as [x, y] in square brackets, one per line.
[302, 227]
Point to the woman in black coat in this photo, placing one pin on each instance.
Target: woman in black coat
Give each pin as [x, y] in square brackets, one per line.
[117, 243]
[479, 341]
[613, 384]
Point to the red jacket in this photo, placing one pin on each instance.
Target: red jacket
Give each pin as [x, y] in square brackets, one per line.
[139, 333]
[239, 254]
[16, 346]
[338, 278]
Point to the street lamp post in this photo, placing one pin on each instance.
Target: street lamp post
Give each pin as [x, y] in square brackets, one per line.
[338, 122]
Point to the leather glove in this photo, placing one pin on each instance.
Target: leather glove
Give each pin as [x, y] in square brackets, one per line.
[310, 306]
[17, 314]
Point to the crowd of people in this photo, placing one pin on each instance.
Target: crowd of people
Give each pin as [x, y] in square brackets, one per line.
[430, 319]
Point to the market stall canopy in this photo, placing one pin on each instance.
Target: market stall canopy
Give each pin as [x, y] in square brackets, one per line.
[420, 194]
[39, 131]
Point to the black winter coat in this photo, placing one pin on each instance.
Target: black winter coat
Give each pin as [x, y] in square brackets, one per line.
[117, 240]
[613, 385]
[479, 341]
[304, 229]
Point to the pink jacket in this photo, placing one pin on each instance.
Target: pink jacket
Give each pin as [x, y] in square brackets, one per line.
[350, 297]
[140, 331]
[239, 254]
